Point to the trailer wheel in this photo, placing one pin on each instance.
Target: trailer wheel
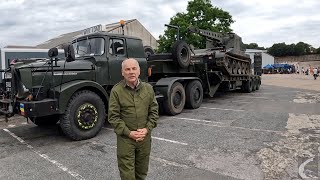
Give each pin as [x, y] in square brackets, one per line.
[176, 100]
[247, 86]
[181, 53]
[194, 94]
[84, 117]
[258, 85]
[45, 120]
[148, 50]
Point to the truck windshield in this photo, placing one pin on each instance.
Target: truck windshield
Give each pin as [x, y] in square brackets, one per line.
[89, 47]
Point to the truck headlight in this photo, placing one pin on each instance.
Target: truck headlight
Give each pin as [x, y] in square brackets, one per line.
[7, 75]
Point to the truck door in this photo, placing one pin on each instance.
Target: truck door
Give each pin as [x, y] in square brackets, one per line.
[117, 53]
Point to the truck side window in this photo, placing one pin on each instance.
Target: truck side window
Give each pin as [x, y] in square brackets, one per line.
[116, 47]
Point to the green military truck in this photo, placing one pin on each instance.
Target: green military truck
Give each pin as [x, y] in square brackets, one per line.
[75, 90]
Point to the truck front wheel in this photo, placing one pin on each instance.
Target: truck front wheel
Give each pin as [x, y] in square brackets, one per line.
[194, 94]
[84, 116]
[174, 104]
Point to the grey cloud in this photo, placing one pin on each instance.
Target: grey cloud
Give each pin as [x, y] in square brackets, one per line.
[34, 22]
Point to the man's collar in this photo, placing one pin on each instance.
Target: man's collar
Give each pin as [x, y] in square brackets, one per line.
[125, 84]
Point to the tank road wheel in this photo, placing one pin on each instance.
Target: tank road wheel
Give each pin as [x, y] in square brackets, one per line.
[45, 120]
[84, 117]
[176, 100]
[238, 68]
[181, 53]
[194, 94]
[247, 86]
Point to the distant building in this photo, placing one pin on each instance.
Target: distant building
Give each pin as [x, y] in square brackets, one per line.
[132, 28]
[8, 54]
[266, 58]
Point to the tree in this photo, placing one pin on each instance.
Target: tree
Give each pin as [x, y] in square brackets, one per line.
[281, 49]
[200, 14]
[253, 46]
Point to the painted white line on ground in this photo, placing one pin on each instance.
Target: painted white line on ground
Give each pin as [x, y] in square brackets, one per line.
[238, 110]
[161, 139]
[235, 127]
[168, 140]
[231, 101]
[46, 157]
[11, 125]
[166, 162]
[197, 120]
[253, 97]
[169, 162]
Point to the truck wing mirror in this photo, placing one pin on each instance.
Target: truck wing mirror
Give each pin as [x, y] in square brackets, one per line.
[53, 52]
[69, 53]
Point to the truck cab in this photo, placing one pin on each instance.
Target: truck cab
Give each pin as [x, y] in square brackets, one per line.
[74, 90]
[109, 50]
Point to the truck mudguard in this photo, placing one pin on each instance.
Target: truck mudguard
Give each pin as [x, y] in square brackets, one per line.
[68, 89]
[164, 84]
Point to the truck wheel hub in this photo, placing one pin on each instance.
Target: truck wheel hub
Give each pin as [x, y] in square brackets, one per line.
[87, 116]
[177, 99]
[196, 95]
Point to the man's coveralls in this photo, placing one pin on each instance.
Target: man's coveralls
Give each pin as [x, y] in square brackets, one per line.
[129, 110]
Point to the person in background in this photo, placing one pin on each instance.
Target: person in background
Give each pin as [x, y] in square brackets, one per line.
[133, 113]
[315, 73]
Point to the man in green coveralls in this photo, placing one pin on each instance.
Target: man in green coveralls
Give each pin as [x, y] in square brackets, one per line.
[133, 113]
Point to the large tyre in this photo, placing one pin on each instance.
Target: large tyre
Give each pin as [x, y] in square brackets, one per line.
[148, 50]
[258, 85]
[84, 116]
[247, 86]
[174, 104]
[194, 94]
[181, 53]
[254, 85]
[45, 120]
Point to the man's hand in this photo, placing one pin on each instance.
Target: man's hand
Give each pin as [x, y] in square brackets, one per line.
[143, 131]
[139, 134]
[136, 135]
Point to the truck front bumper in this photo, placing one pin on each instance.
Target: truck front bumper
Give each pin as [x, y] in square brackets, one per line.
[41, 108]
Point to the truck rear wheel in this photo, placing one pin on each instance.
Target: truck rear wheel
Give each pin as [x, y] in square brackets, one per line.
[181, 53]
[254, 85]
[194, 94]
[258, 85]
[247, 86]
[45, 120]
[174, 104]
[84, 117]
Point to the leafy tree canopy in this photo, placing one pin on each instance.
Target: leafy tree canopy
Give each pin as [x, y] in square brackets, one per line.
[253, 46]
[200, 14]
[281, 49]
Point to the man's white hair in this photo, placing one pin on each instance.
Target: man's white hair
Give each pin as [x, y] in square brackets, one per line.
[131, 59]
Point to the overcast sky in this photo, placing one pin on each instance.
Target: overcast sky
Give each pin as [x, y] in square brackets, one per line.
[31, 22]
